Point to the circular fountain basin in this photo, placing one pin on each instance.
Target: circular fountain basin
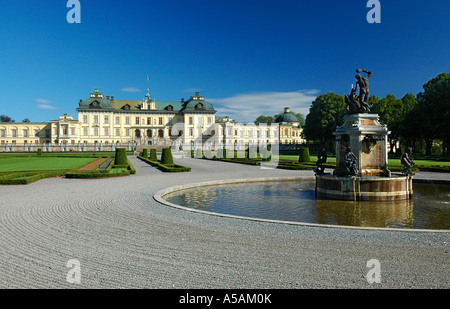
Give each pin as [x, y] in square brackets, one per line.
[369, 188]
[294, 202]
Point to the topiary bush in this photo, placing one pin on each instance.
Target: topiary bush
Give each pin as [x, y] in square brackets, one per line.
[166, 157]
[121, 157]
[39, 152]
[145, 153]
[304, 155]
[153, 156]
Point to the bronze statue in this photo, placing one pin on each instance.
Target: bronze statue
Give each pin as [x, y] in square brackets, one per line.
[408, 162]
[359, 104]
[351, 162]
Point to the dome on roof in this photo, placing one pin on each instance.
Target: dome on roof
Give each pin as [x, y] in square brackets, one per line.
[287, 116]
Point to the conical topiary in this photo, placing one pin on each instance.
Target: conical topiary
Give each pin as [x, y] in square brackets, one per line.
[121, 157]
[166, 157]
[153, 156]
[145, 153]
[304, 155]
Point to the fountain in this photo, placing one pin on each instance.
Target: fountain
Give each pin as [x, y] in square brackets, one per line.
[361, 172]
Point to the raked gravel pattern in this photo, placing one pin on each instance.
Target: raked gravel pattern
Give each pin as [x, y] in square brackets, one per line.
[123, 238]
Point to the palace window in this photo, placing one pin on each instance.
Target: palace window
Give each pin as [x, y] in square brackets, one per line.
[160, 120]
[85, 119]
[25, 133]
[96, 119]
[117, 120]
[85, 131]
[106, 131]
[191, 120]
[137, 120]
[199, 106]
[209, 120]
[95, 131]
[2, 133]
[106, 120]
[127, 132]
[14, 133]
[149, 120]
[117, 132]
[127, 120]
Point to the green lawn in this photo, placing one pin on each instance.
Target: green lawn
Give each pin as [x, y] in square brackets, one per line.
[14, 164]
[423, 163]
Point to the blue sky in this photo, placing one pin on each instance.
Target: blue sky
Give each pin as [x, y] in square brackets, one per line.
[247, 57]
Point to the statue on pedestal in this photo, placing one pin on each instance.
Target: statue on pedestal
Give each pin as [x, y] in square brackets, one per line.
[407, 162]
[351, 162]
[359, 104]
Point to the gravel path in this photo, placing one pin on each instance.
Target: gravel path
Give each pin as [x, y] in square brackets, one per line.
[124, 239]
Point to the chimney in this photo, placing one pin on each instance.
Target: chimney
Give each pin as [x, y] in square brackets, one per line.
[287, 110]
[107, 97]
[112, 98]
[182, 100]
[197, 93]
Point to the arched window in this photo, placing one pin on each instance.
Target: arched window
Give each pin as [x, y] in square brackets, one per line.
[160, 133]
[137, 133]
[149, 133]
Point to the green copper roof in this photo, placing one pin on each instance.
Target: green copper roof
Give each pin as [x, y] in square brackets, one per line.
[194, 104]
[287, 117]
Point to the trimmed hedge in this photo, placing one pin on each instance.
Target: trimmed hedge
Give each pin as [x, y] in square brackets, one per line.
[121, 157]
[145, 153]
[166, 157]
[304, 155]
[23, 178]
[153, 156]
[172, 168]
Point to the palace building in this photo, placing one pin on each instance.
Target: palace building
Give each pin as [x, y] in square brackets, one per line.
[106, 122]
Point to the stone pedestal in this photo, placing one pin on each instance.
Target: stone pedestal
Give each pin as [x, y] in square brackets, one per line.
[368, 140]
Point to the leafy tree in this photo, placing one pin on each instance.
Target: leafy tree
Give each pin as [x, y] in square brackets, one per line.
[264, 119]
[434, 107]
[408, 130]
[391, 112]
[4, 118]
[325, 114]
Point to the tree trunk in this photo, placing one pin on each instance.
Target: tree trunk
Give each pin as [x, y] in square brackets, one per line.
[428, 146]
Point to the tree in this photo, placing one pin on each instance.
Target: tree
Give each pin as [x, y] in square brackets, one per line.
[409, 133]
[434, 106]
[264, 119]
[4, 118]
[325, 114]
[391, 112]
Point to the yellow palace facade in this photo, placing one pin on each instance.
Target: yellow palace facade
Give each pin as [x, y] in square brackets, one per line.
[104, 122]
